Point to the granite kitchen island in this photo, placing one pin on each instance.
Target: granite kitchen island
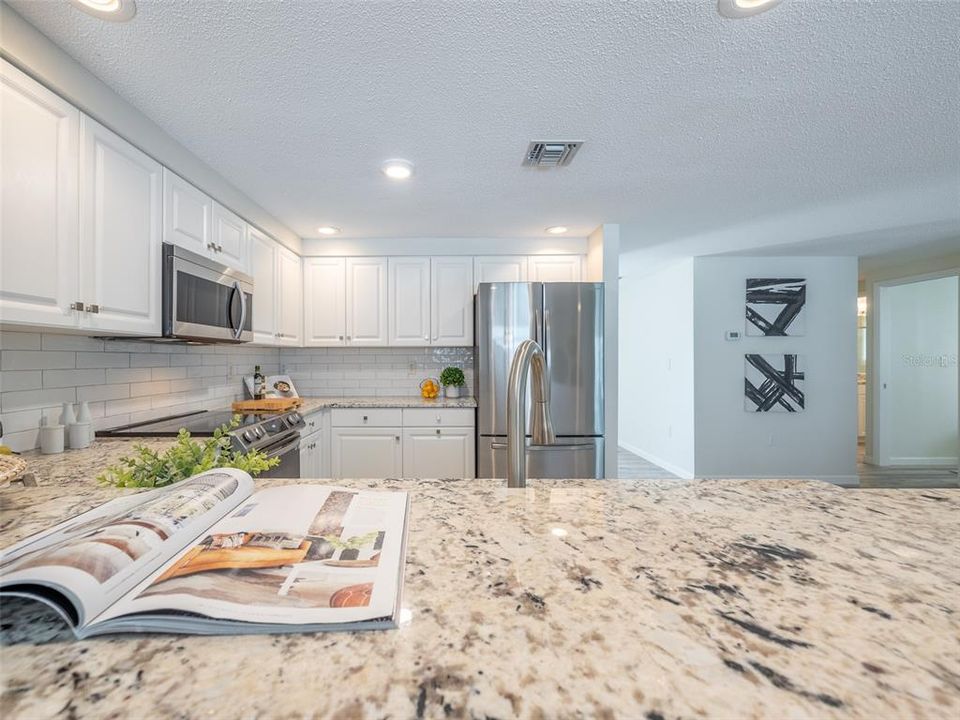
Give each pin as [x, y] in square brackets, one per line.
[634, 599]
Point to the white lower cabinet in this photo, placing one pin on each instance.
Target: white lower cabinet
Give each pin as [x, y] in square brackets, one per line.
[438, 452]
[312, 456]
[366, 452]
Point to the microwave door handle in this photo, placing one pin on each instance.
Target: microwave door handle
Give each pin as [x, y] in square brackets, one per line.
[243, 310]
[238, 328]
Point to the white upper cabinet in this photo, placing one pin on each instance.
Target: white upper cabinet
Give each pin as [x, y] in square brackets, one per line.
[263, 268]
[366, 301]
[187, 215]
[38, 203]
[290, 297]
[409, 305]
[451, 301]
[505, 268]
[229, 240]
[120, 227]
[555, 268]
[324, 291]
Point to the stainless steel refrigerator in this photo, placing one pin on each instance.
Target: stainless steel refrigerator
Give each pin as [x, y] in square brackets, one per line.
[566, 319]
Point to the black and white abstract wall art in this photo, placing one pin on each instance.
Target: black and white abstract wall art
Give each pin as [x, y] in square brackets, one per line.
[773, 383]
[776, 306]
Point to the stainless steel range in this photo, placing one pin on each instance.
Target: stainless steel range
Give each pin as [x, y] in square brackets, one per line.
[275, 435]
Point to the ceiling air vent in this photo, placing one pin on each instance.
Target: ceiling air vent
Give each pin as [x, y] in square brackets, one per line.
[550, 153]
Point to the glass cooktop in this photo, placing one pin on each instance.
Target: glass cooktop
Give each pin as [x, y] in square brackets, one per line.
[199, 424]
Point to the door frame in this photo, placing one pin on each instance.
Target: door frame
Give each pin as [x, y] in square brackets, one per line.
[879, 366]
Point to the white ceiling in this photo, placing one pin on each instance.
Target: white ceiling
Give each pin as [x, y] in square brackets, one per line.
[691, 121]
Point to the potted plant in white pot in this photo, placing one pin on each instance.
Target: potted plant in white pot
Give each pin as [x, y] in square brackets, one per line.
[452, 380]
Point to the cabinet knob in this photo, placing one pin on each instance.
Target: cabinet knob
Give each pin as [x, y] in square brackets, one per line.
[438, 432]
[341, 337]
[219, 248]
[95, 309]
[397, 437]
[78, 305]
[364, 418]
[438, 419]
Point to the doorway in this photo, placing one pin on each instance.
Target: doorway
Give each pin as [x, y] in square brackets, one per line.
[915, 378]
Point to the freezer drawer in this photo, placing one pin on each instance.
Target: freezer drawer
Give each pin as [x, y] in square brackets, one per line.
[584, 461]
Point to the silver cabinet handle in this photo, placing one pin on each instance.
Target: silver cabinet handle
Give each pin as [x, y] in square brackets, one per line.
[78, 305]
[426, 337]
[95, 309]
[364, 418]
[438, 432]
[397, 437]
[341, 337]
[219, 248]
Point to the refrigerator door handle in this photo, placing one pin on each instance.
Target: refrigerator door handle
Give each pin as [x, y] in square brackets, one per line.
[558, 446]
[537, 328]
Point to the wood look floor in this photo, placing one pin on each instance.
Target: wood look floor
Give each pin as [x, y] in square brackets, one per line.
[634, 467]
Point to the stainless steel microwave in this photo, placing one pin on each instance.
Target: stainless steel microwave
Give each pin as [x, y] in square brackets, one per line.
[204, 301]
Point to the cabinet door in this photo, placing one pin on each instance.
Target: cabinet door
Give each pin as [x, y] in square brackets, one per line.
[507, 268]
[120, 226]
[324, 316]
[438, 452]
[311, 456]
[366, 301]
[263, 267]
[409, 305]
[451, 302]
[555, 268]
[230, 239]
[366, 453]
[290, 297]
[38, 203]
[187, 215]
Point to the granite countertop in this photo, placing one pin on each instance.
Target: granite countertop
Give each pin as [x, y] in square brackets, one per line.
[74, 466]
[312, 404]
[634, 599]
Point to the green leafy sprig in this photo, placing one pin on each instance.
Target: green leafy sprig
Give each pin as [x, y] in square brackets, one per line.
[452, 376]
[148, 468]
[354, 543]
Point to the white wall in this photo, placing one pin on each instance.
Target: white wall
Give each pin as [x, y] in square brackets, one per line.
[917, 370]
[603, 265]
[819, 442]
[36, 55]
[656, 365]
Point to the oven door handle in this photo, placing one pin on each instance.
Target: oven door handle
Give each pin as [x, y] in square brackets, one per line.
[290, 446]
[238, 328]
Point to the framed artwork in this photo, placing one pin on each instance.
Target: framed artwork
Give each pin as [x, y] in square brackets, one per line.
[776, 306]
[773, 383]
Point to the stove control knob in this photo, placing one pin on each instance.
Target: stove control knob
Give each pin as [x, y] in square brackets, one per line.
[248, 436]
[292, 419]
[258, 431]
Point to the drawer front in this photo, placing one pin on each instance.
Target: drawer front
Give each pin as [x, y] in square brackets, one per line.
[367, 417]
[441, 417]
[312, 423]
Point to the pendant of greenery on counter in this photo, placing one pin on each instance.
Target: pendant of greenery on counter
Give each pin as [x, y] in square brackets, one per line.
[148, 468]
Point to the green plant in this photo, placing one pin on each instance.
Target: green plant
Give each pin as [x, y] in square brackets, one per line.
[452, 376]
[354, 543]
[188, 457]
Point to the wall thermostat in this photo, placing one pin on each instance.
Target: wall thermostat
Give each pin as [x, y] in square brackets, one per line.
[732, 335]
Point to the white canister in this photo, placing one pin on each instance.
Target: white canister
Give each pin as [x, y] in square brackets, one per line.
[79, 435]
[67, 417]
[83, 417]
[51, 439]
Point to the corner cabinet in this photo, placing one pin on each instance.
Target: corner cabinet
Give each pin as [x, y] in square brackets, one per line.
[505, 268]
[555, 268]
[289, 296]
[39, 203]
[324, 291]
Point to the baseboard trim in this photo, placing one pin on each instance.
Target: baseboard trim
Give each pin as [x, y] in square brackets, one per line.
[650, 457]
[934, 462]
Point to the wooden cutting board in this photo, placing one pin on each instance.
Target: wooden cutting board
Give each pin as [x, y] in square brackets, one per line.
[266, 405]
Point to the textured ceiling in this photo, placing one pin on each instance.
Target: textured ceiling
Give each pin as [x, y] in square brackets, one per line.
[691, 121]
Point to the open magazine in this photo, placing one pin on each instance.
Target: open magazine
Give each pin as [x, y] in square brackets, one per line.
[209, 555]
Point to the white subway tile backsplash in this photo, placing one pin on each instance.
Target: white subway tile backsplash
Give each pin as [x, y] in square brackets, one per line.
[21, 420]
[19, 341]
[128, 375]
[168, 373]
[70, 342]
[72, 378]
[103, 360]
[159, 387]
[29, 399]
[103, 392]
[36, 360]
[20, 380]
[148, 359]
[128, 405]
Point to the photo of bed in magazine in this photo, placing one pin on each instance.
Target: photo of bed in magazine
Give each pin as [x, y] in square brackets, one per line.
[209, 555]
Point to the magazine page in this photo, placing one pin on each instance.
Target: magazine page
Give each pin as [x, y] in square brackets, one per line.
[96, 557]
[292, 555]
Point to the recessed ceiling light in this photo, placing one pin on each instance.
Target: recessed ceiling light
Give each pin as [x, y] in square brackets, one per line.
[557, 229]
[744, 8]
[112, 10]
[398, 169]
[328, 230]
